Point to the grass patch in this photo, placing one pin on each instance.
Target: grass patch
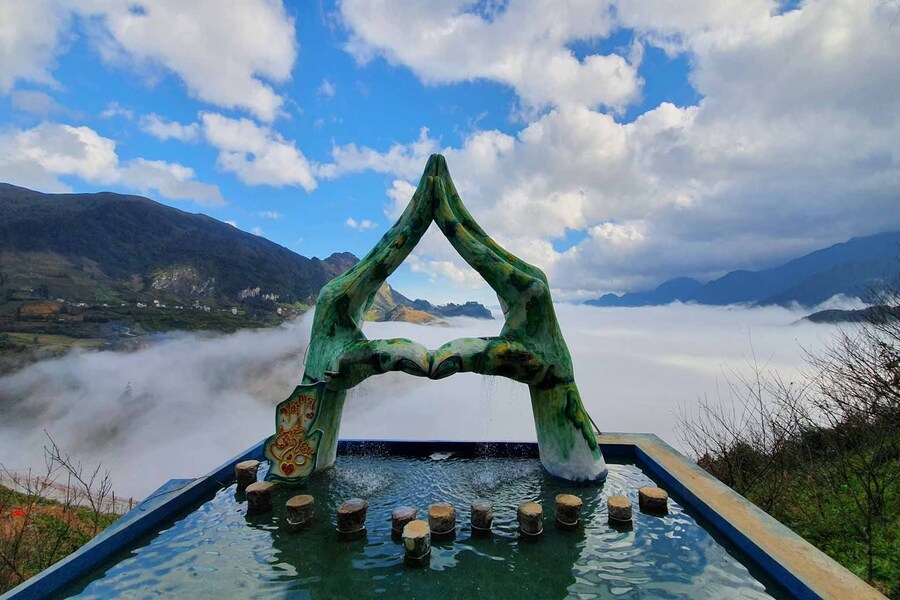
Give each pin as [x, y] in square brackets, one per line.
[37, 532]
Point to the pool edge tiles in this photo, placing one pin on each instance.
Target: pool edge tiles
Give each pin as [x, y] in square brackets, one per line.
[792, 562]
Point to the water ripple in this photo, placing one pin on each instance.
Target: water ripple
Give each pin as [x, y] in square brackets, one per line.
[217, 551]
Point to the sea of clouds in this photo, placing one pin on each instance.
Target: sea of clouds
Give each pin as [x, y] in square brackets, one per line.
[187, 403]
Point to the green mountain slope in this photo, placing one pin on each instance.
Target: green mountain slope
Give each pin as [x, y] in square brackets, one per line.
[90, 247]
[388, 300]
[103, 270]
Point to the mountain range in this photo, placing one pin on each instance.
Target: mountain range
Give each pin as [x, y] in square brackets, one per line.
[99, 269]
[108, 248]
[391, 305]
[132, 248]
[854, 268]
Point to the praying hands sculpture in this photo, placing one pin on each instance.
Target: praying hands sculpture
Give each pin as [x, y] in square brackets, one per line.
[529, 349]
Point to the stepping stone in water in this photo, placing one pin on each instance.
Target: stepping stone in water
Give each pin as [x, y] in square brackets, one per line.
[245, 474]
[568, 511]
[259, 498]
[531, 519]
[299, 512]
[482, 517]
[619, 509]
[653, 500]
[351, 519]
[442, 520]
[417, 543]
[400, 517]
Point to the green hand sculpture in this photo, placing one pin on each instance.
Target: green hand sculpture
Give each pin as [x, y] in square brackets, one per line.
[530, 348]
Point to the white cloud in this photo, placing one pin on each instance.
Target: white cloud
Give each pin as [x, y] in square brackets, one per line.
[66, 150]
[617, 235]
[257, 154]
[30, 34]
[360, 225]
[673, 27]
[231, 383]
[37, 157]
[523, 44]
[400, 193]
[228, 58]
[172, 180]
[257, 230]
[35, 102]
[224, 57]
[114, 109]
[460, 274]
[164, 129]
[270, 214]
[403, 160]
[792, 147]
[798, 116]
[327, 89]
[232, 222]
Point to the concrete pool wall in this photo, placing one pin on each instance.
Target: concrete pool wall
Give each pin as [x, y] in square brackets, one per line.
[801, 569]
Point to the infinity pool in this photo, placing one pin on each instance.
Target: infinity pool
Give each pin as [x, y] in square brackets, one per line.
[215, 551]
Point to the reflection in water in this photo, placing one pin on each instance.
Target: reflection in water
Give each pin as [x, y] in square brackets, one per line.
[217, 551]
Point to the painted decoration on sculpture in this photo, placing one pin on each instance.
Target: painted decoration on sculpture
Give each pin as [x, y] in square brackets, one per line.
[292, 450]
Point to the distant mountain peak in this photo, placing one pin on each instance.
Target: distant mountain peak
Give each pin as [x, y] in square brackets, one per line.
[388, 301]
[851, 268]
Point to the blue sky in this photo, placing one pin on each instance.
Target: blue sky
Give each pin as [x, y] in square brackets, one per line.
[613, 145]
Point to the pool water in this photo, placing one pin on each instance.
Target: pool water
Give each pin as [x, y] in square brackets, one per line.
[217, 552]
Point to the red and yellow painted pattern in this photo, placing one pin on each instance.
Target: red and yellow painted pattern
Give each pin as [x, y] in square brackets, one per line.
[292, 450]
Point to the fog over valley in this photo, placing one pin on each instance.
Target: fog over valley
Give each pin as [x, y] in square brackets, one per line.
[189, 402]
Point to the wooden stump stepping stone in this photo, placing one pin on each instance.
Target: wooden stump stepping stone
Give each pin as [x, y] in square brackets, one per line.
[619, 509]
[299, 512]
[259, 498]
[245, 474]
[351, 519]
[482, 517]
[417, 543]
[653, 500]
[568, 511]
[442, 520]
[531, 519]
[400, 517]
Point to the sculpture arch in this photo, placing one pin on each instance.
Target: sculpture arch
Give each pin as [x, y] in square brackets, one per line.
[530, 348]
